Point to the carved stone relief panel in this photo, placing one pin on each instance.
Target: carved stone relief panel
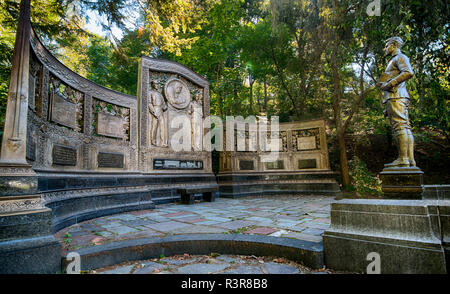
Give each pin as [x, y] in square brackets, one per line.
[307, 139]
[180, 97]
[111, 120]
[31, 145]
[34, 85]
[177, 93]
[282, 136]
[66, 105]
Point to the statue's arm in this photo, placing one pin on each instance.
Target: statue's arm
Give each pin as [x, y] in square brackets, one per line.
[406, 72]
[150, 105]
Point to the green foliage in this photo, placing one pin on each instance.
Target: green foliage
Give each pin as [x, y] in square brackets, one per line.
[363, 180]
[295, 59]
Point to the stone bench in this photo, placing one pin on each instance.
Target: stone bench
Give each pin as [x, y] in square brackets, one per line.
[187, 194]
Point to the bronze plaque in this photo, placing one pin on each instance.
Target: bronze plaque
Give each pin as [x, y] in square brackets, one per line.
[63, 155]
[246, 165]
[306, 143]
[177, 164]
[114, 160]
[307, 163]
[31, 91]
[63, 112]
[31, 148]
[278, 164]
[110, 125]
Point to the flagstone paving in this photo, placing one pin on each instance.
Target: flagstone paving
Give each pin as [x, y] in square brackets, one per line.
[298, 217]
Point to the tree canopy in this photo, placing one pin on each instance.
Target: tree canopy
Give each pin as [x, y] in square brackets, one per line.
[298, 59]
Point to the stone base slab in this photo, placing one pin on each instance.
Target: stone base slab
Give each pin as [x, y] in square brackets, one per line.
[409, 235]
[40, 255]
[348, 253]
[26, 243]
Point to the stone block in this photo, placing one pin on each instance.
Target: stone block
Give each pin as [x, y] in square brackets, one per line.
[18, 185]
[26, 243]
[406, 234]
[402, 183]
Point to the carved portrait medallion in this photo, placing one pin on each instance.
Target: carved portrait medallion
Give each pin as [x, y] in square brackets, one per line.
[177, 93]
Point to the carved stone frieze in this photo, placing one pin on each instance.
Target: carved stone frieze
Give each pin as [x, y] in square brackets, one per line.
[16, 205]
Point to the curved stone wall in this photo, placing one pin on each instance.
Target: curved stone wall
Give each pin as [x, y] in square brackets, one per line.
[75, 124]
[83, 142]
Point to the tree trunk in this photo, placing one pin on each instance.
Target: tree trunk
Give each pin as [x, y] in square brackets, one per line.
[343, 159]
[340, 129]
[265, 95]
[251, 93]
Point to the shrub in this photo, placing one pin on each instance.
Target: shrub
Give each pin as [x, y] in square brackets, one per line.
[362, 179]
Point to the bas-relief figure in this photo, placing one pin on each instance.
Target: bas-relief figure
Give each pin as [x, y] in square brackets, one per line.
[196, 113]
[177, 93]
[396, 98]
[178, 96]
[157, 107]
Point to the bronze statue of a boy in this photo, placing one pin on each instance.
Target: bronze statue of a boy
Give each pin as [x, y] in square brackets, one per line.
[396, 98]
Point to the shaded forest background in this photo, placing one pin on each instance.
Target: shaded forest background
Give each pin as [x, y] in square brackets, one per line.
[296, 59]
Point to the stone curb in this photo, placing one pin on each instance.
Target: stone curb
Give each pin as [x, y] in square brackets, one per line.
[308, 253]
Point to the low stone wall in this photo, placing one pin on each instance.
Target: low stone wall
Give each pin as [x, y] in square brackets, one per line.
[78, 197]
[410, 236]
[308, 253]
[233, 185]
[439, 192]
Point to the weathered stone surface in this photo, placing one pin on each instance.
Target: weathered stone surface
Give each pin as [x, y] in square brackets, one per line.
[307, 163]
[306, 143]
[25, 224]
[276, 268]
[26, 243]
[18, 185]
[246, 165]
[110, 125]
[109, 254]
[119, 270]
[149, 267]
[63, 112]
[405, 233]
[202, 268]
[244, 269]
[438, 192]
[402, 183]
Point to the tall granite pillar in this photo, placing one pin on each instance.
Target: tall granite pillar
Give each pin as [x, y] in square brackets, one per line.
[26, 242]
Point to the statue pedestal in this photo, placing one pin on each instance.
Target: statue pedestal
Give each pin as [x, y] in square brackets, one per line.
[27, 245]
[17, 179]
[402, 182]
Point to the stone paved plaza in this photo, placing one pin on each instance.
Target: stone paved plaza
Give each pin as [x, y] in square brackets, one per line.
[298, 217]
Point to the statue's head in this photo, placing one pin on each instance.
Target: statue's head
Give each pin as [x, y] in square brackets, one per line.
[392, 45]
[178, 88]
[154, 85]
